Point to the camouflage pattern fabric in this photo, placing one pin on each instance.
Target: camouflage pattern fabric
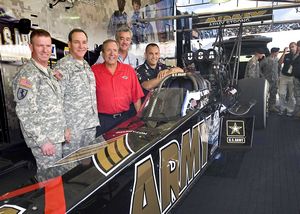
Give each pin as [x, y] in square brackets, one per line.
[297, 95]
[78, 85]
[286, 94]
[39, 107]
[79, 139]
[252, 68]
[269, 70]
[44, 163]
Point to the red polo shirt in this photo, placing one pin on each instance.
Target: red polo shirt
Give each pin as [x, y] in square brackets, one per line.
[115, 92]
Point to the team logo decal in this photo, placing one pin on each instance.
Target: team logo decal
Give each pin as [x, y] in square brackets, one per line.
[107, 159]
[11, 209]
[21, 93]
[125, 77]
[235, 131]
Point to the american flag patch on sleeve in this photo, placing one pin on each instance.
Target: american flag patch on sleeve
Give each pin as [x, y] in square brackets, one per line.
[24, 82]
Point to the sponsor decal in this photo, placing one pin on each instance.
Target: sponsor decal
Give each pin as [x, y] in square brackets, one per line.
[235, 131]
[232, 18]
[11, 209]
[179, 164]
[108, 158]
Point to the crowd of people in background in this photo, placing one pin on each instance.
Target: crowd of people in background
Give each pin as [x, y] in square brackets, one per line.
[283, 76]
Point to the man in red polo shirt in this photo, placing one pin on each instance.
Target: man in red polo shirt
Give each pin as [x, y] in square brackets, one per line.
[116, 87]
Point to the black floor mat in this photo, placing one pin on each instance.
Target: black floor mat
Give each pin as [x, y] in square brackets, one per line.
[265, 179]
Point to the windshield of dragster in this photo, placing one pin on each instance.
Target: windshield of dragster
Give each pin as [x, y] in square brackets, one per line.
[173, 102]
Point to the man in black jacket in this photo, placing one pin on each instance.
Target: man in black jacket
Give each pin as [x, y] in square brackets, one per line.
[286, 81]
[296, 73]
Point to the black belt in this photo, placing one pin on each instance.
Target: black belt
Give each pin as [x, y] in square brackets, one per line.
[114, 115]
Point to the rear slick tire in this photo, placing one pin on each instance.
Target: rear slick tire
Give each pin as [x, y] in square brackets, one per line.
[256, 89]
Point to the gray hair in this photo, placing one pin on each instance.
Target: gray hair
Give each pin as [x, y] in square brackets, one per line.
[123, 28]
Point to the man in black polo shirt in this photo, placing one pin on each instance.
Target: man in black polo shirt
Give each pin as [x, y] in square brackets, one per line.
[151, 73]
[286, 81]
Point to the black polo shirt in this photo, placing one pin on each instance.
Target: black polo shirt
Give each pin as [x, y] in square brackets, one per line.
[145, 72]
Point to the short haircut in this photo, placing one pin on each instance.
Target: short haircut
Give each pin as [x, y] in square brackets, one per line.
[151, 45]
[76, 30]
[122, 28]
[138, 2]
[38, 33]
[107, 42]
[293, 43]
[298, 43]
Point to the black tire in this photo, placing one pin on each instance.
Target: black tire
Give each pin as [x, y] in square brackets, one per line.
[256, 89]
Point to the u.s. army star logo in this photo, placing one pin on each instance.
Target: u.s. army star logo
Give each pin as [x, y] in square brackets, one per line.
[235, 131]
[235, 128]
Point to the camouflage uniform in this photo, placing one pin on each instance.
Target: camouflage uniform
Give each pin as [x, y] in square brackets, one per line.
[269, 69]
[79, 89]
[39, 107]
[252, 68]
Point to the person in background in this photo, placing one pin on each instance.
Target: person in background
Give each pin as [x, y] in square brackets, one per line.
[151, 73]
[78, 85]
[39, 107]
[117, 19]
[269, 69]
[286, 81]
[252, 68]
[296, 73]
[136, 26]
[124, 38]
[117, 87]
[148, 30]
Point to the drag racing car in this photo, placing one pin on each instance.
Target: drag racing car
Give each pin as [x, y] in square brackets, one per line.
[149, 162]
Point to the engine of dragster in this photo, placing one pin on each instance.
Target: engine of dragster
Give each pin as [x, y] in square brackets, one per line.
[222, 86]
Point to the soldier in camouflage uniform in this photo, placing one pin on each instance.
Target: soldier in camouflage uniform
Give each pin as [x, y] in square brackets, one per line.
[252, 67]
[39, 107]
[77, 82]
[269, 69]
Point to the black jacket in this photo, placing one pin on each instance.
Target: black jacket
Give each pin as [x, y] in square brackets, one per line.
[296, 66]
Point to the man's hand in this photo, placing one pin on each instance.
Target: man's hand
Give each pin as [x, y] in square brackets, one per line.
[162, 73]
[176, 70]
[68, 135]
[167, 72]
[48, 148]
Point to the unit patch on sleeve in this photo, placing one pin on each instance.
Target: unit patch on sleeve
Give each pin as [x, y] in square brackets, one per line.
[21, 93]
